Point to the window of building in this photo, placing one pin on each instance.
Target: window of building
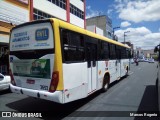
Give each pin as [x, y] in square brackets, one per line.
[72, 46]
[60, 3]
[40, 15]
[76, 11]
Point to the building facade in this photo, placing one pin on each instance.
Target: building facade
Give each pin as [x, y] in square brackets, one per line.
[103, 22]
[95, 29]
[12, 12]
[148, 53]
[72, 11]
[15, 12]
[109, 27]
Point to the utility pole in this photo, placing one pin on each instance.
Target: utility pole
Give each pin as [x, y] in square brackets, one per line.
[113, 32]
[125, 35]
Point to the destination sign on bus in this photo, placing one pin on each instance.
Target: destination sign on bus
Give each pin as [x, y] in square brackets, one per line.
[32, 37]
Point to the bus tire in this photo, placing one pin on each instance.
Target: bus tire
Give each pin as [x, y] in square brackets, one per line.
[105, 83]
[127, 71]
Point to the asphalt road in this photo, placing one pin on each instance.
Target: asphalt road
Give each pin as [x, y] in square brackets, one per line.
[137, 92]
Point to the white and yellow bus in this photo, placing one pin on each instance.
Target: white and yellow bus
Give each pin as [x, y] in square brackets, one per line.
[57, 61]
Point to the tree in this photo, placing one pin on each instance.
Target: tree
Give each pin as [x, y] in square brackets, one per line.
[157, 49]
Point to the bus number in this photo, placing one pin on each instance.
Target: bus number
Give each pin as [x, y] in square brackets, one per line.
[43, 87]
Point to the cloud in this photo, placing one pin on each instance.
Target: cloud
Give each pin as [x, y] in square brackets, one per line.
[140, 37]
[125, 24]
[92, 13]
[120, 1]
[138, 11]
[109, 11]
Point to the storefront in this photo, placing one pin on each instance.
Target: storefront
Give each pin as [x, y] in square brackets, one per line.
[12, 12]
[4, 46]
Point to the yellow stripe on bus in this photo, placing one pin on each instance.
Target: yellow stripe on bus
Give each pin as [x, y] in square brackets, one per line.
[65, 25]
[58, 55]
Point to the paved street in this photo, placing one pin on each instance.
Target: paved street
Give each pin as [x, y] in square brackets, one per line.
[137, 92]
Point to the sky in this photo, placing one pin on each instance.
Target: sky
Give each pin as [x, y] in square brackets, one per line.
[140, 17]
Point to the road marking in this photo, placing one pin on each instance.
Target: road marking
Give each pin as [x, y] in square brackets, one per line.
[131, 73]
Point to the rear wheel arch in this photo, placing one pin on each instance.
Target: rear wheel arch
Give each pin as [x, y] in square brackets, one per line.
[106, 81]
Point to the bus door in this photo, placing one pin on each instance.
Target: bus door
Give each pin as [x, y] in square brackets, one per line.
[118, 62]
[91, 55]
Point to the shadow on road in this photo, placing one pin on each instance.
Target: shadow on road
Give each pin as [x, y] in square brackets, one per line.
[149, 103]
[49, 109]
[5, 92]
[118, 81]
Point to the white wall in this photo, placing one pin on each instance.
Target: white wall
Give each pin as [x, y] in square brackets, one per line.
[58, 12]
[50, 8]
[4, 38]
[76, 20]
[78, 3]
[95, 29]
[91, 28]
[99, 31]
[14, 14]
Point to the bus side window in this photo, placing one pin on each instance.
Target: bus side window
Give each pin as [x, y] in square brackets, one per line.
[123, 52]
[99, 51]
[72, 47]
[112, 51]
[104, 50]
[118, 52]
[128, 52]
[88, 57]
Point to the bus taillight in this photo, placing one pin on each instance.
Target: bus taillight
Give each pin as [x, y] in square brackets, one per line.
[12, 78]
[54, 81]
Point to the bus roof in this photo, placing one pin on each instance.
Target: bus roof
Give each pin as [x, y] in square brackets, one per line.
[72, 27]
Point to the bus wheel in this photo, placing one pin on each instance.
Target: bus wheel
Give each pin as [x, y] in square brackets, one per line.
[105, 83]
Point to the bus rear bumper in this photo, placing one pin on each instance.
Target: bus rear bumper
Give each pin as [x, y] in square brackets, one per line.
[56, 96]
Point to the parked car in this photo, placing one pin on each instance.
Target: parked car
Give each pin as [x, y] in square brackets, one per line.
[132, 61]
[151, 60]
[141, 60]
[4, 82]
[146, 60]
